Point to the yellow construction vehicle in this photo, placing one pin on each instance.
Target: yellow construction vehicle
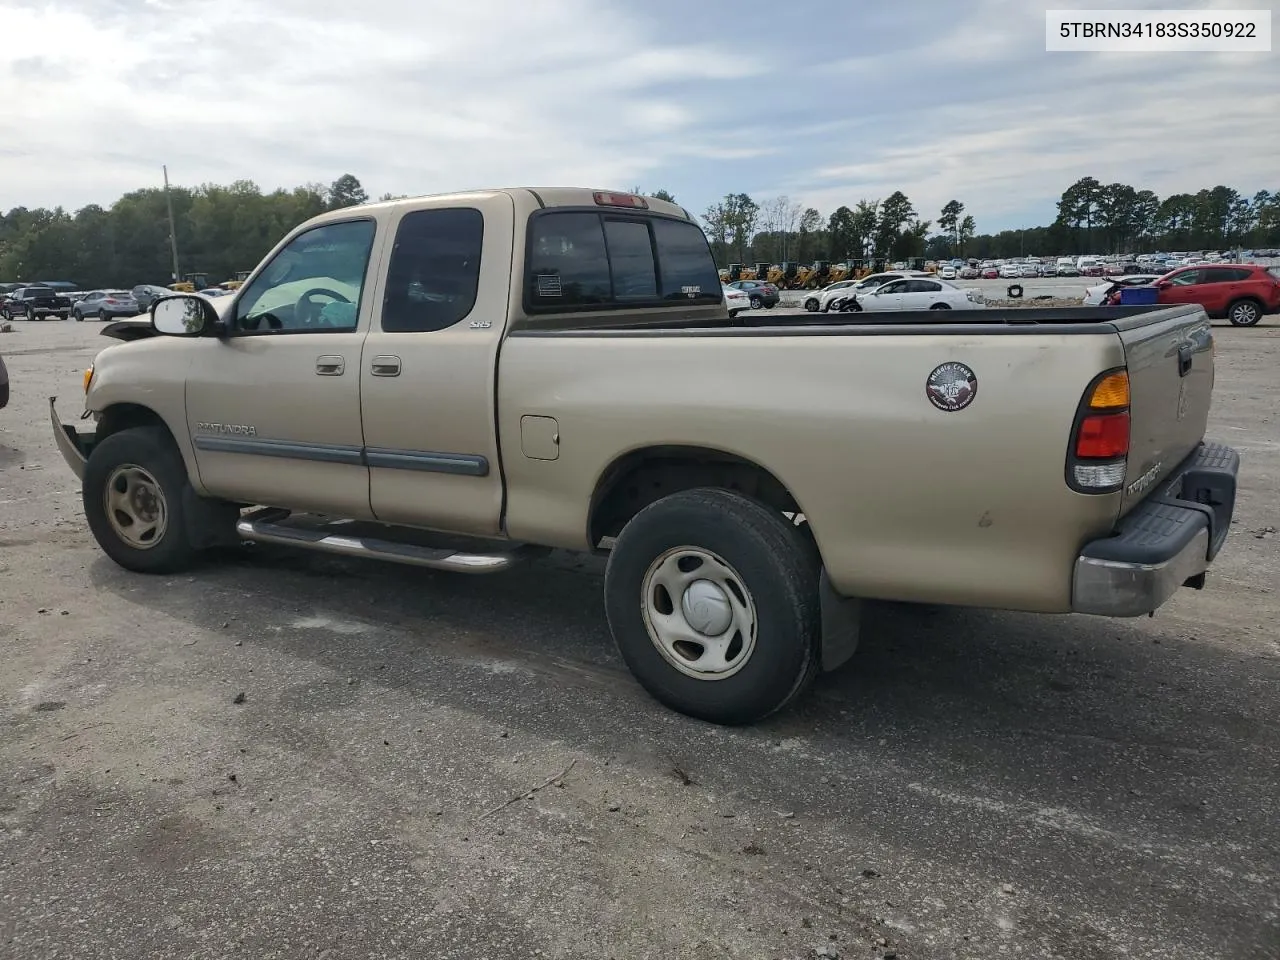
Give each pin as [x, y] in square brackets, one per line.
[190, 283]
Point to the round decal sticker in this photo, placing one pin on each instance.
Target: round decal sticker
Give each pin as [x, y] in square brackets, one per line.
[951, 387]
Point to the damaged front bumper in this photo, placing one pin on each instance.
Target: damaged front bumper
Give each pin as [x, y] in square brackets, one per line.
[72, 444]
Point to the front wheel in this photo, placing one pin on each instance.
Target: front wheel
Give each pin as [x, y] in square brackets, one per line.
[1244, 313]
[755, 303]
[811, 305]
[941, 306]
[712, 599]
[102, 315]
[133, 500]
[78, 315]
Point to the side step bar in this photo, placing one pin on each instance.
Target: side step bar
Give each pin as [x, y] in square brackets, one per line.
[264, 526]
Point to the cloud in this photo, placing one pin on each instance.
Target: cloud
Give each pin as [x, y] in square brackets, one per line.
[829, 104]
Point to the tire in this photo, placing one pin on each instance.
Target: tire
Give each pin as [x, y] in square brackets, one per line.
[941, 306]
[78, 315]
[811, 305]
[755, 303]
[1014, 291]
[776, 577]
[102, 315]
[1244, 313]
[156, 469]
[770, 306]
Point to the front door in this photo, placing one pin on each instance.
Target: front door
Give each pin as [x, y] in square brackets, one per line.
[274, 406]
[887, 296]
[1182, 287]
[428, 374]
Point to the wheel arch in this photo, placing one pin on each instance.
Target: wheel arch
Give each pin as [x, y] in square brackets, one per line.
[126, 415]
[646, 474]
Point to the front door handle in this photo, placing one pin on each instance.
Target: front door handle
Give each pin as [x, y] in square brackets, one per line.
[385, 367]
[330, 366]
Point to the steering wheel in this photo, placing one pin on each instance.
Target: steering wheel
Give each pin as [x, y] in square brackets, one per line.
[307, 313]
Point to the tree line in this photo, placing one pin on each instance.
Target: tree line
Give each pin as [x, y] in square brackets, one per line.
[1093, 218]
[221, 230]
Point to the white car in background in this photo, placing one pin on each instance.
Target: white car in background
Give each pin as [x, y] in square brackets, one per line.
[918, 293]
[736, 301]
[1096, 296]
[947, 272]
[836, 300]
[1010, 270]
[814, 301]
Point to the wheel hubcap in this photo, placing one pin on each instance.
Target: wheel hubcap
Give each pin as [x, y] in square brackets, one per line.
[135, 506]
[698, 613]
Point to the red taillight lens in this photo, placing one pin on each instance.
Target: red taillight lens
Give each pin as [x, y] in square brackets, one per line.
[1103, 436]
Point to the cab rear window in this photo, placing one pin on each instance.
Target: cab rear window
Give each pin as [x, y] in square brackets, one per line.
[580, 260]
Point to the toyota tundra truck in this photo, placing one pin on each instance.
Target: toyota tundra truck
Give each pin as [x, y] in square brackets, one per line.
[465, 382]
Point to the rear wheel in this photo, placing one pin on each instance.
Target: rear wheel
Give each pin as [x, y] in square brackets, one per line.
[755, 303]
[133, 500]
[941, 306]
[78, 315]
[1244, 313]
[712, 599]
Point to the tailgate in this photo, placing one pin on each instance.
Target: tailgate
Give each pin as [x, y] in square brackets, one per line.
[1169, 353]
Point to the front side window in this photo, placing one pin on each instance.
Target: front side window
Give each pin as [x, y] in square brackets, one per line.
[434, 274]
[1186, 278]
[312, 285]
[893, 286]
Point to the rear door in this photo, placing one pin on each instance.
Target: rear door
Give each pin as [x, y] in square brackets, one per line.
[1170, 363]
[428, 373]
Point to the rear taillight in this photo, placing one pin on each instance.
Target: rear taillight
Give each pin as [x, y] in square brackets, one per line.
[1099, 452]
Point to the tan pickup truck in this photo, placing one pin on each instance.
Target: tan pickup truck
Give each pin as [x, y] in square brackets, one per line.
[463, 381]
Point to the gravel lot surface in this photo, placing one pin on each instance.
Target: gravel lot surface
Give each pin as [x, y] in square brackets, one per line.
[973, 784]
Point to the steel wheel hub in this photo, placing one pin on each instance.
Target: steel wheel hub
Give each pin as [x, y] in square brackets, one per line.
[135, 506]
[698, 613]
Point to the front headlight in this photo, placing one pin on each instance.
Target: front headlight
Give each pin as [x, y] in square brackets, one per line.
[88, 377]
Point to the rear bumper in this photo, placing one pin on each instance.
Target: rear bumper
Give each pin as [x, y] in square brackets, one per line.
[1166, 542]
[72, 444]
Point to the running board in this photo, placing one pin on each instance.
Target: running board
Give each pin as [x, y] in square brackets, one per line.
[264, 526]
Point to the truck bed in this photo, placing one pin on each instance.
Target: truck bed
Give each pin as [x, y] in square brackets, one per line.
[907, 501]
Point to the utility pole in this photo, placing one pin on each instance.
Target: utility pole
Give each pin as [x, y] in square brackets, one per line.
[173, 231]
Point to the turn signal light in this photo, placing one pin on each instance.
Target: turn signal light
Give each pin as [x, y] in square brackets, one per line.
[1110, 392]
[88, 378]
[1103, 436]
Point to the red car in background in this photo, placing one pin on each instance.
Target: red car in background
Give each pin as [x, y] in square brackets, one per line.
[1240, 292]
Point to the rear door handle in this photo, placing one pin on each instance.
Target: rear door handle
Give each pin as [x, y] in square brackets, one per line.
[330, 366]
[385, 367]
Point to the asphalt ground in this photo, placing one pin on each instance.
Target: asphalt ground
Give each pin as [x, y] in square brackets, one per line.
[424, 765]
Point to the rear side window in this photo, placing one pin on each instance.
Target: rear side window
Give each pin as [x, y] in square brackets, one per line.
[434, 274]
[1225, 275]
[588, 259]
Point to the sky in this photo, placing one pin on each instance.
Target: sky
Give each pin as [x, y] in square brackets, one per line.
[824, 102]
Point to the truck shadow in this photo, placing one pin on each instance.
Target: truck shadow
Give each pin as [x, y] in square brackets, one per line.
[1040, 697]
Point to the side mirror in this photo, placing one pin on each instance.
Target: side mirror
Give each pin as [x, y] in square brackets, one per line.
[183, 315]
[1163, 284]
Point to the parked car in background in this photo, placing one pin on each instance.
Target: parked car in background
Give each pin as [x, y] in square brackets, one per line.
[915, 293]
[106, 304]
[821, 299]
[970, 273]
[990, 273]
[868, 283]
[1100, 293]
[35, 303]
[146, 294]
[735, 300]
[1029, 271]
[1010, 271]
[947, 272]
[760, 292]
[1241, 292]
